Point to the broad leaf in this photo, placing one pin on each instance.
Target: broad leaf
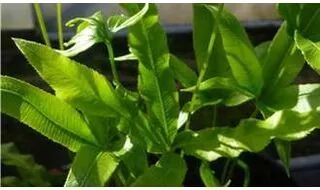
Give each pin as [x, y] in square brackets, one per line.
[240, 53]
[310, 50]
[45, 113]
[148, 43]
[250, 135]
[309, 98]
[207, 43]
[90, 31]
[181, 72]
[78, 85]
[284, 152]
[207, 176]
[91, 167]
[169, 171]
[119, 22]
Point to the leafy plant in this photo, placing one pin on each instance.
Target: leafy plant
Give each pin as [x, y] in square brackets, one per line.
[113, 129]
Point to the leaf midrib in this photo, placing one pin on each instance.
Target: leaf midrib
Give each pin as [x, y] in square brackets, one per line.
[159, 93]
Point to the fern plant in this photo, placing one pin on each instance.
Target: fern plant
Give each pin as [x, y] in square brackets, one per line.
[113, 129]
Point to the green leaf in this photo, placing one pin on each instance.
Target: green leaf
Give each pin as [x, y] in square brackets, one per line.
[308, 99]
[262, 51]
[127, 57]
[240, 53]
[218, 90]
[282, 64]
[250, 135]
[119, 22]
[169, 171]
[284, 152]
[207, 176]
[290, 12]
[31, 173]
[207, 43]
[310, 51]
[78, 85]
[281, 98]
[156, 84]
[90, 31]
[136, 161]
[45, 113]
[181, 72]
[91, 167]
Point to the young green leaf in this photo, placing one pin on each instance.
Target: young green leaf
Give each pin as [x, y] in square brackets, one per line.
[148, 43]
[284, 152]
[207, 176]
[90, 31]
[207, 43]
[45, 113]
[119, 22]
[310, 50]
[262, 51]
[78, 85]
[282, 64]
[250, 135]
[169, 171]
[181, 72]
[240, 53]
[91, 167]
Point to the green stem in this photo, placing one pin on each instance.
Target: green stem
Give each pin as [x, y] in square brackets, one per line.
[204, 65]
[246, 170]
[42, 25]
[59, 24]
[224, 172]
[254, 113]
[113, 65]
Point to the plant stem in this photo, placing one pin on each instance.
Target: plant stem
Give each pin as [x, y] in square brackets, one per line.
[246, 170]
[113, 65]
[42, 25]
[59, 24]
[204, 65]
[224, 172]
[254, 113]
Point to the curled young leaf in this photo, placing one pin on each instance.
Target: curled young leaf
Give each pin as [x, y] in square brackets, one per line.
[90, 31]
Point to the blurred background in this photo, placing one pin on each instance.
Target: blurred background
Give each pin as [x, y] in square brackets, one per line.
[261, 22]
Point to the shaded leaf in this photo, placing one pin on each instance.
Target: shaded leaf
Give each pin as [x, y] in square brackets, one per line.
[207, 42]
[181, 72]
[31, 173]
[250, 135]
[262, 51]
[45, 113]
[284, 152]
[169, 171]
[290, 12]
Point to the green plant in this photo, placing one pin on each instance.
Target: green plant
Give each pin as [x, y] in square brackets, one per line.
[112, 129]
